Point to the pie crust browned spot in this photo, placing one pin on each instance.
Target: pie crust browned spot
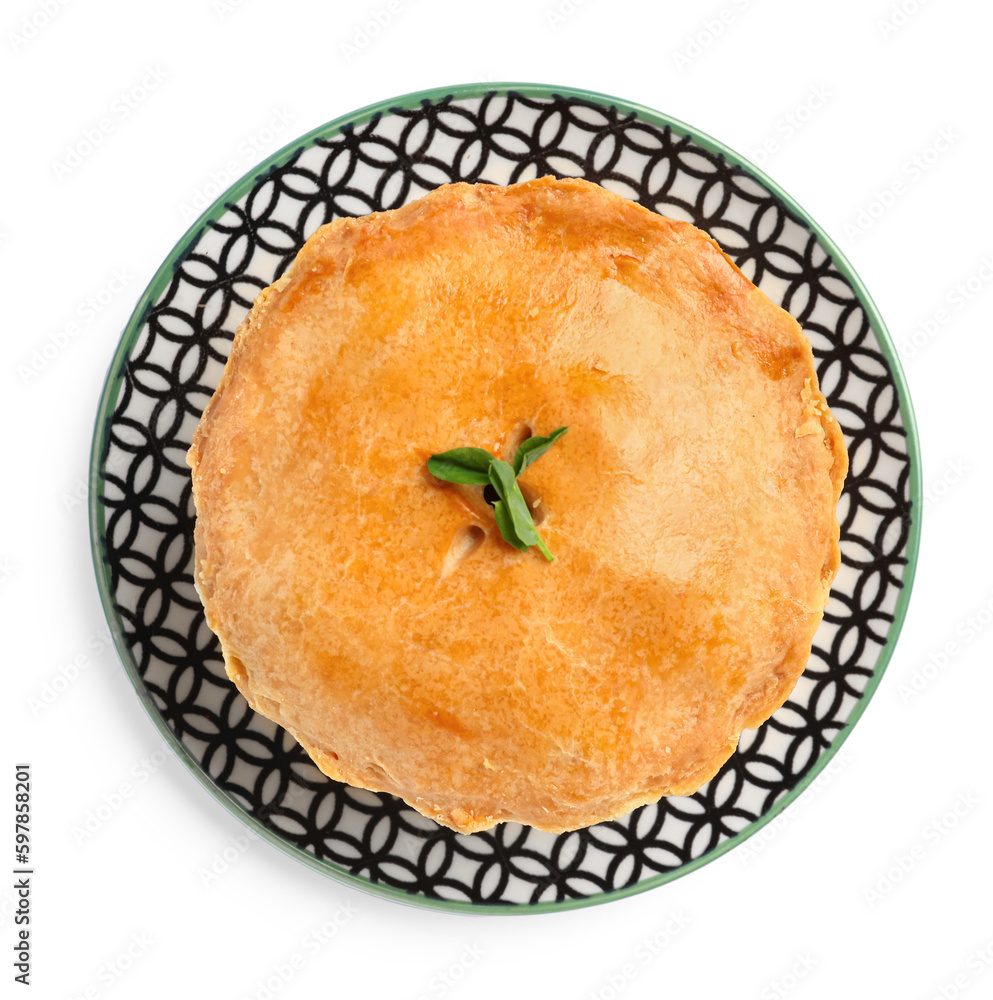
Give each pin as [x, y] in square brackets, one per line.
[377, 613]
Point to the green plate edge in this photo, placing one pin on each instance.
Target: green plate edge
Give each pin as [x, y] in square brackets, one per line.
[160, 281]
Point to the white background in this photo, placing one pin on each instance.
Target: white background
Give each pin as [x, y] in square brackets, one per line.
[792, 916]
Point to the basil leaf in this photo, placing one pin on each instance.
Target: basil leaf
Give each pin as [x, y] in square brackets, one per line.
[543, 549]
[506, 526]
[504, 482]
[476, 467]
[461, 465]
[533, 448]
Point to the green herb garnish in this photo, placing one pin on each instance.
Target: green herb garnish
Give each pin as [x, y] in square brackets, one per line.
[533, 448]
[462, 465]
[476, 467]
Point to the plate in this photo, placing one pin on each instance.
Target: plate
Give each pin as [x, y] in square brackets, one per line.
[171, 356]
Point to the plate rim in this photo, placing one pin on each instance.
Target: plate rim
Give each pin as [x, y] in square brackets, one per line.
[164, 274]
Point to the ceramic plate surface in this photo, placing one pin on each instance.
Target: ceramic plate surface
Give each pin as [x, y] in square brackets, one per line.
[171, 357]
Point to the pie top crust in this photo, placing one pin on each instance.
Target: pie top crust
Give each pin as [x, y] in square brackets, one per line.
[377, 614]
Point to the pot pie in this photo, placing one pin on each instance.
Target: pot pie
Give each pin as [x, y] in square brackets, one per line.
[377, 613]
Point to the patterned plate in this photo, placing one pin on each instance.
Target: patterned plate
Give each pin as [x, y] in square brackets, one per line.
[171, 356]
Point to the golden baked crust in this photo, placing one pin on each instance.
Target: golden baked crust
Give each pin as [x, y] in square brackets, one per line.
[378, 615]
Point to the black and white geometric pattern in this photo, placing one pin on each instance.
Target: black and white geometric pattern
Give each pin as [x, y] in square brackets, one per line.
[172, 355]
